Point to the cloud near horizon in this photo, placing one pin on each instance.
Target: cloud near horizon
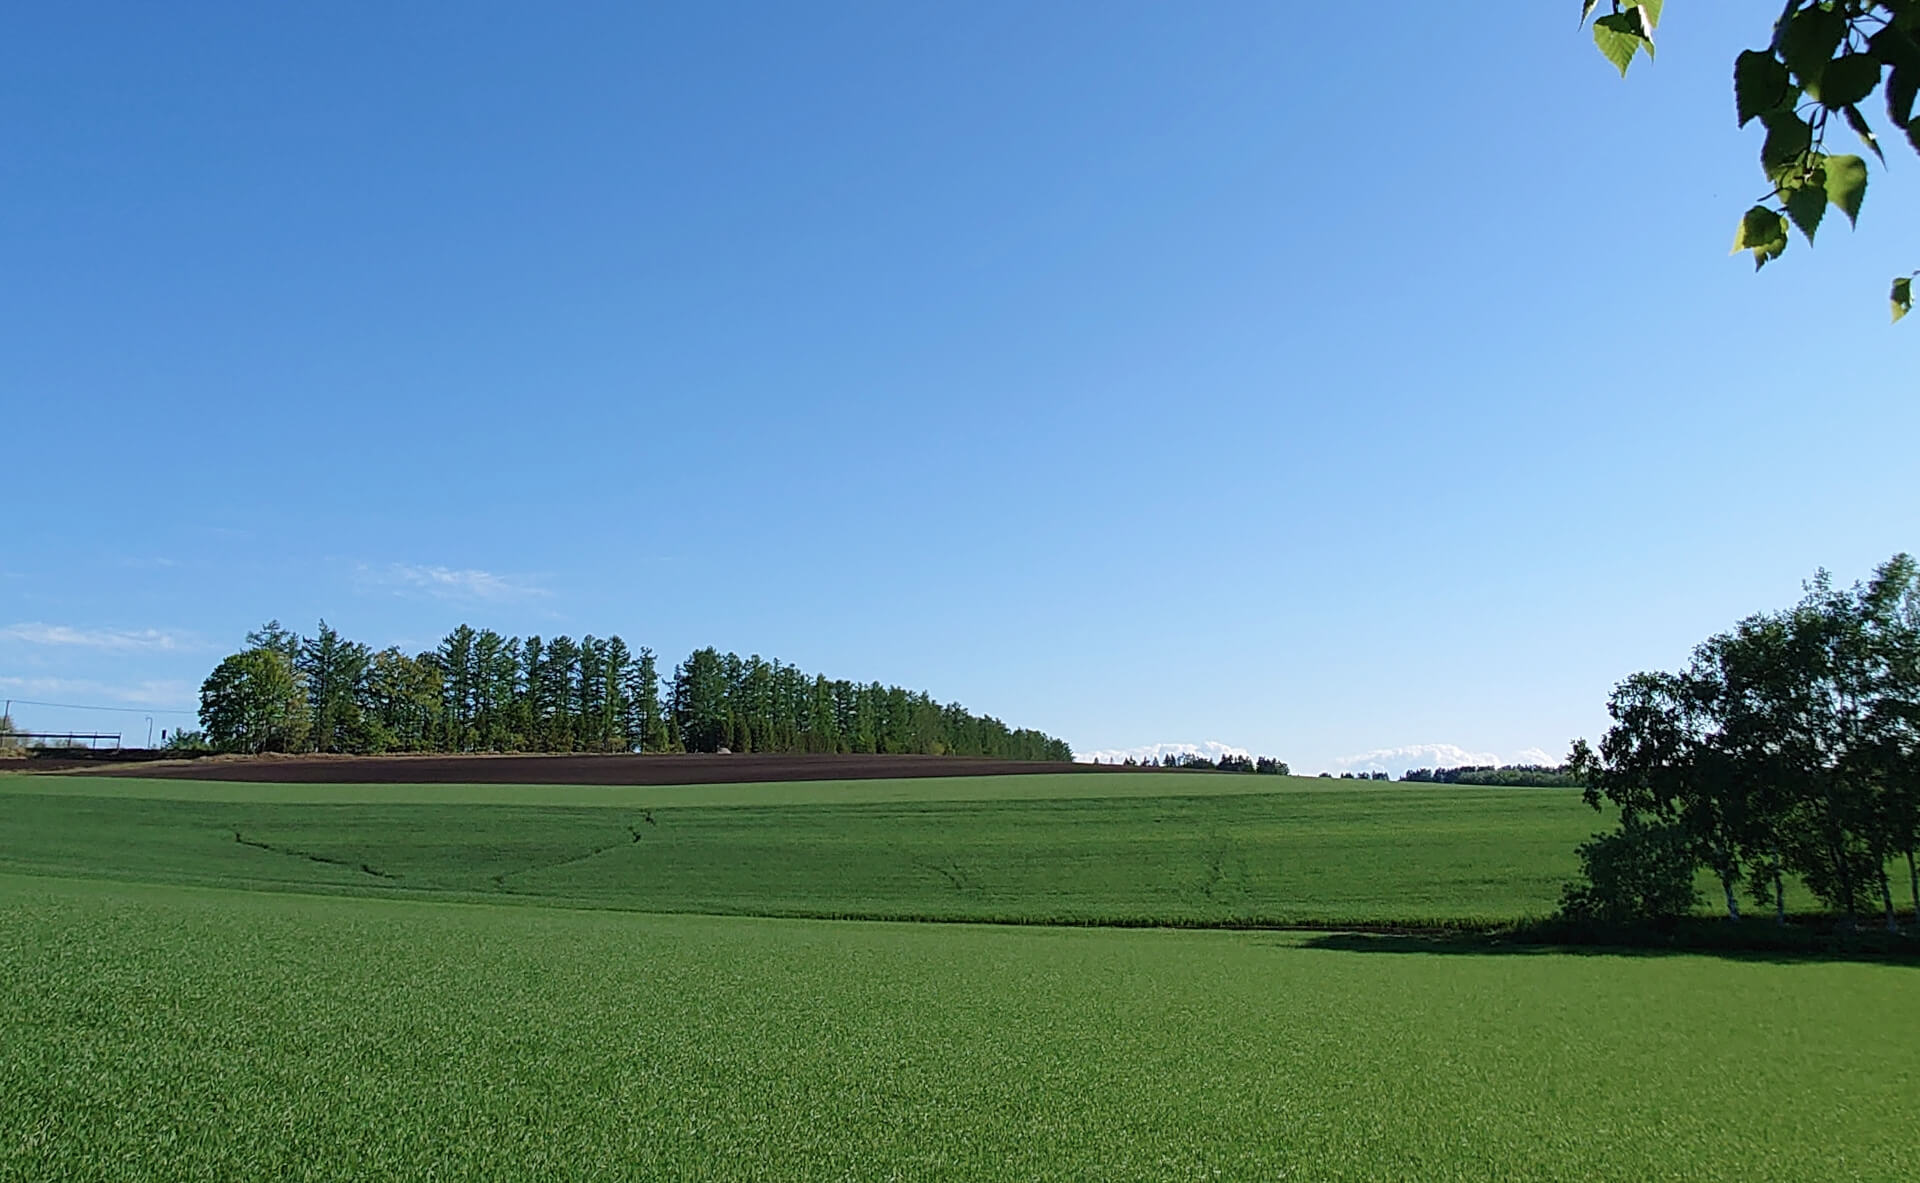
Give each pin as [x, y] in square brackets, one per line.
[1213, 749]
[1434, 755]
[450, 583]
[146, 640]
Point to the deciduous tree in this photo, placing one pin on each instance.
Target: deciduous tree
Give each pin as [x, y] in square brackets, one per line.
[251, 702]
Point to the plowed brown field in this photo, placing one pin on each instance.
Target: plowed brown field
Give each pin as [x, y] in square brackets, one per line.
[574, 770]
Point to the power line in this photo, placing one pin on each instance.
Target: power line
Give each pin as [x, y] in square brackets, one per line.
[74, 706]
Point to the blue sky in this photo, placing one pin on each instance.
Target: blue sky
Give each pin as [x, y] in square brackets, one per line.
[1143, 373]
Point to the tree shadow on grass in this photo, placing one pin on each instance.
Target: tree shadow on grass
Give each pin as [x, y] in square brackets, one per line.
[1759, 941]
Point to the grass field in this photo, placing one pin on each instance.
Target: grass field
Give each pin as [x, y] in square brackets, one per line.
[487, 982]
[980, 848]
[168, 1032]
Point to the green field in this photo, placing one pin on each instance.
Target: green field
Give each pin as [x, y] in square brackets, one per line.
[1031, 849]
[459, 1014]
[192, 1033]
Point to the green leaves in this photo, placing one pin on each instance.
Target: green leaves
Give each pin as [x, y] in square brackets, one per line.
[1618, 38]
[1901, 53]
[1808, 39]
[1826, 59]
[1848, 79]
[1806, 186]
[1858, 123]
[1846, 184]
[1764, 232]
[1625, 33]
[1760, 85]
[1807, 204]
[1902, 87]
[1788, 138]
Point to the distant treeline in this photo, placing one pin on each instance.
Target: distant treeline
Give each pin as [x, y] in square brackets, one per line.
[479, 691]
[1264, 765]
[1545, 776]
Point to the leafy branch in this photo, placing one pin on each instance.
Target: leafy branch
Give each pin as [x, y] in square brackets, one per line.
[1827, 57]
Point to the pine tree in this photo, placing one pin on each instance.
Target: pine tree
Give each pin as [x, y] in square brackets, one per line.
[559, 684]
[331, 669]
[615, 732]
[482, 691]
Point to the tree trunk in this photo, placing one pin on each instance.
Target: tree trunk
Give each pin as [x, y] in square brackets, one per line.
[1779, 896]
[1886, 898]
[1913, 883]
[1733, 904]
[1843, 872]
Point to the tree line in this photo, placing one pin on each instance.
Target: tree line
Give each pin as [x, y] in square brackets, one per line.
[1263, 765]
[1542, 776]
[479, 691]
[1788, 746]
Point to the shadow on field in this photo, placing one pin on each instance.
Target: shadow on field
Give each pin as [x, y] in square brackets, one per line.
[1757, 942]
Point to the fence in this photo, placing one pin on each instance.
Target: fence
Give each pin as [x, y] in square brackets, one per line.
[60, 739]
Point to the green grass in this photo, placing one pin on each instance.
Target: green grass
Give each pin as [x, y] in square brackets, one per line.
[1025, 787]
[169, 1032]
[1190, 849]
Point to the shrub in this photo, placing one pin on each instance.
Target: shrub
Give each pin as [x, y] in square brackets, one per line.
[1641, 872]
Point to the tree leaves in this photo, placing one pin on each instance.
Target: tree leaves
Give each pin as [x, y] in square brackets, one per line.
[1858, 123]
[1835, 53]
[1622, 34]
[1764, 232]
[1901, 53]
[1807, 204]
[1846, 184]
[1760, 84]
[1848, 79]
[1801, 186]
[1806, 41]
[1903, 85]
[1788, 138]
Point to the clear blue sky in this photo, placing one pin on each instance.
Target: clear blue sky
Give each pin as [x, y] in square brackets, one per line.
[1140, 372]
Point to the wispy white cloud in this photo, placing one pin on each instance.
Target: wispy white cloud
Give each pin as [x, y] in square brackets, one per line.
[1434, 755]
[156, 694]
[450, 583]
[1212, 749]
[111, 640]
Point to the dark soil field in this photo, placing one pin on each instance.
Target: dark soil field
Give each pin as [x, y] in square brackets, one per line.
[698, 769]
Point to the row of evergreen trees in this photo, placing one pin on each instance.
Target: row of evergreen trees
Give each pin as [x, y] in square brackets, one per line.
[1788, 746]
[479, 691]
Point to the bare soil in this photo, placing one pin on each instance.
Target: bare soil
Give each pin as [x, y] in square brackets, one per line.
[560, 770]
